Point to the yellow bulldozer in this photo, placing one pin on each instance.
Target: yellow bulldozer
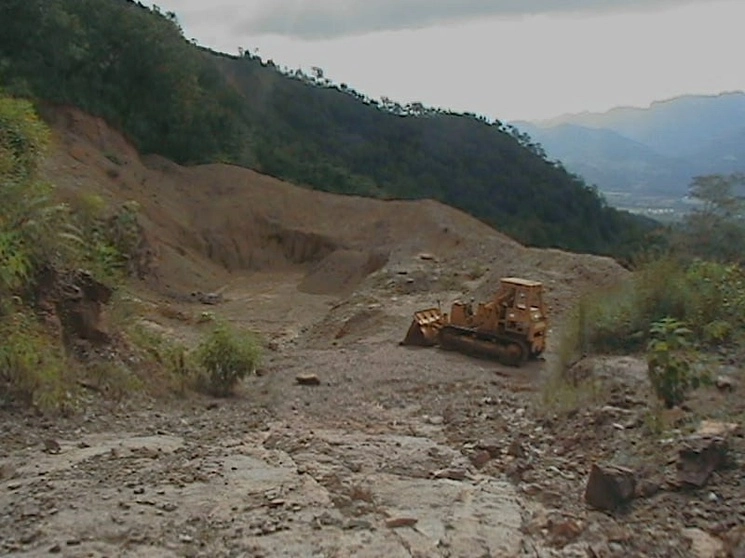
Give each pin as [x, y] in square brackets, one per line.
[510, 328]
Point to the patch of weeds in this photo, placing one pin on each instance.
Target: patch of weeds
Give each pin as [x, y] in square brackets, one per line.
[114, 379]
[170, 362]
[563, 394]
[123, 309]
[565, 397]
[110, 238]
[476, 271]
[451, 282]
[33, 366]
[653, 422]
[570, 341]
[709, 296]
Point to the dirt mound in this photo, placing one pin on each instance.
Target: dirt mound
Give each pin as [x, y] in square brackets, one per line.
[212, 219]
[565, 275]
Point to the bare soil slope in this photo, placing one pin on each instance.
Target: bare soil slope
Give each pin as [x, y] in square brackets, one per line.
[221, 227]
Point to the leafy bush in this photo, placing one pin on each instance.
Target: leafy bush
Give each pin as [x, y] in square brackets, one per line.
[673, 365]
[227, 356]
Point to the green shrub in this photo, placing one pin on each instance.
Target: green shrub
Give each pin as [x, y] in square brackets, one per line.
[227, 356]
[674, 366]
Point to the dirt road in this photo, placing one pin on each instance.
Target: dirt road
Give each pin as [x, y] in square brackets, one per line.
[360, 465]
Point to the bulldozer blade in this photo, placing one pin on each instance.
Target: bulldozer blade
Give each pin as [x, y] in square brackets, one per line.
[424, 328]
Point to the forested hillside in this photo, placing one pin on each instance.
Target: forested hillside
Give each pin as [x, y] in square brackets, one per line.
[132, 65]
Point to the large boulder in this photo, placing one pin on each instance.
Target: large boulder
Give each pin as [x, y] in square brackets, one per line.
[609, 487]
[699, 458]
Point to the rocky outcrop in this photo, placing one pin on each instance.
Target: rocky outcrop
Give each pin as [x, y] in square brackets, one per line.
[75, 301]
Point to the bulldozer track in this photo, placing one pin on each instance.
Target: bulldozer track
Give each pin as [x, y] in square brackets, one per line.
[513, 352]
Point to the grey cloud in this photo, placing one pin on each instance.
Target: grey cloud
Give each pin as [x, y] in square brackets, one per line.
[318, 19]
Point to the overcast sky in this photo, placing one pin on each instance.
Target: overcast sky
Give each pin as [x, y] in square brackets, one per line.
[506, 59]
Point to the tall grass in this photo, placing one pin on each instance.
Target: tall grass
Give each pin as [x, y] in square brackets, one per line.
[710, 297]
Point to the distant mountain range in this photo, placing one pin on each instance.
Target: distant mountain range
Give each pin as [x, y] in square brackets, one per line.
[652, 151]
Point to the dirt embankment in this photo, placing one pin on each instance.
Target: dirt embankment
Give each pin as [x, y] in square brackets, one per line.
[211, 222]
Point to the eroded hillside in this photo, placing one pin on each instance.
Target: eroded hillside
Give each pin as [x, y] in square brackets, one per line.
[209, 224]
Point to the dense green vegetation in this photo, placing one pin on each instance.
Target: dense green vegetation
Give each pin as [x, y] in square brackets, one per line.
[36, 234]
[132, 66]
[684, 308]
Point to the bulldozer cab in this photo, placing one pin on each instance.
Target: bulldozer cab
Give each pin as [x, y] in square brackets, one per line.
[521, 305]
[521, 294]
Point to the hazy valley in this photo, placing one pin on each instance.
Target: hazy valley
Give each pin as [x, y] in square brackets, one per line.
[644, 159]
